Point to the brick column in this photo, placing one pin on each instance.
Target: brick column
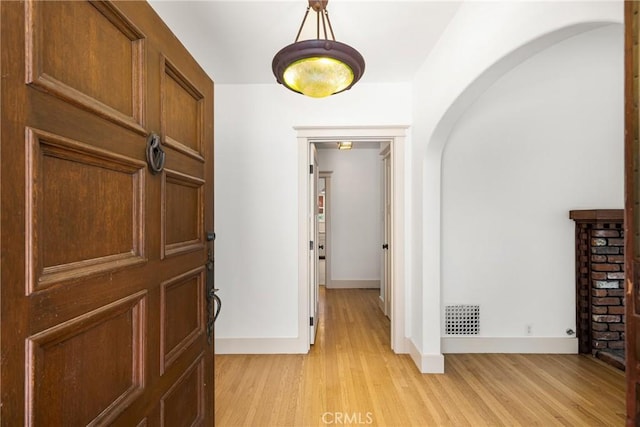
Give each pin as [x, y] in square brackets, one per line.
[599, 279]
[607, 278]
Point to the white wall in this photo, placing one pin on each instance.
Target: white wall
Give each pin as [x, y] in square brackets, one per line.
[256, 175]
[544, 139]
[355, 212]
[483, 42]
[256, 206]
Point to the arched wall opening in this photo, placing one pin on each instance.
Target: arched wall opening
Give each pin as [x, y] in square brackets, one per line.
[544, 139]
[525, 37]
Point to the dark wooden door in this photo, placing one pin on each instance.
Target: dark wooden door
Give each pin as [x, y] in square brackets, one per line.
[632, 213]
[103, 263]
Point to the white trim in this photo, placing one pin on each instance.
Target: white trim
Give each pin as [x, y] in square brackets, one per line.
[414, 353]
[426, 363]
[530, 345]
[398, 239]
[261, 345]
[360, 133]
[354, 284]
[396, 135]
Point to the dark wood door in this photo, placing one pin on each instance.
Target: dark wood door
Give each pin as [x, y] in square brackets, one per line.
[103, 262]
[632, 213]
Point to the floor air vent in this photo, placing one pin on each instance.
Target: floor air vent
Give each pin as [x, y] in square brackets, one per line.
[462, 319]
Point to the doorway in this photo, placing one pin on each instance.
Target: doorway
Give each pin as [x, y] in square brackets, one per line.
[395, 137]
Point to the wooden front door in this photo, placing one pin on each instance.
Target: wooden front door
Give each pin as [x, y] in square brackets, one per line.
[104, 307]
[632, 212]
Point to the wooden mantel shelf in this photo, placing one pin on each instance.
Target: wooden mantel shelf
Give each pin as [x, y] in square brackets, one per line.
[597, 215]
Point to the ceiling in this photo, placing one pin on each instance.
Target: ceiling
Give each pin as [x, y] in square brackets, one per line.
[235, 41]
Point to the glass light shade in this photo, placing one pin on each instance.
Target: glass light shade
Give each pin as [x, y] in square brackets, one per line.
[318, 68]
[318, 77]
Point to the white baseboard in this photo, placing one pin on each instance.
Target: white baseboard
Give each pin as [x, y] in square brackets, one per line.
[260, 346]
[426, 363]
[544, 345]
[354, 284]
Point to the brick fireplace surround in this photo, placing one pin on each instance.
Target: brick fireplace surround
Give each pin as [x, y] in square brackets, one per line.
[600, 283]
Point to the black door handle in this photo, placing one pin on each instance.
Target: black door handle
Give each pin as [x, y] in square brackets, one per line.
[385, 246]
[321, 247]
[218, 303]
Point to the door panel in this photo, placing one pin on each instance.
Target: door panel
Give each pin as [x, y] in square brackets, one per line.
[182, 112]
[184, 403]
[103, 288]
[80, 63]
[183, 208]
[60, 172]
[182, 314]
[62, 366]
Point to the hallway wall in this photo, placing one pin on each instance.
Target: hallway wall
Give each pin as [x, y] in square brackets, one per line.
[257, 201]
[356, 221]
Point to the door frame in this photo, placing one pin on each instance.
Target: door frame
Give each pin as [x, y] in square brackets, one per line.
[396, 136]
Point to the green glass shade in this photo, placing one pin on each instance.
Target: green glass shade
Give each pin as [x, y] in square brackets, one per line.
[318, 77]
[318, 68]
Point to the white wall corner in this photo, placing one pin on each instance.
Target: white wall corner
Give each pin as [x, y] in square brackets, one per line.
[261, 346]
[403, 346]
[525, 345]
[426, 363]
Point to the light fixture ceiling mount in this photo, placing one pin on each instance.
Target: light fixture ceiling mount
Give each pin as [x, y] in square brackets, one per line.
[318, 67]
[345, 145]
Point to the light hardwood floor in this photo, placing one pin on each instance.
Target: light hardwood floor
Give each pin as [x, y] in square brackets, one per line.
[351, 377]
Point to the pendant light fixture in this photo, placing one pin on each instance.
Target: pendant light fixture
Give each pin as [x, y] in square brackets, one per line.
[318, 67]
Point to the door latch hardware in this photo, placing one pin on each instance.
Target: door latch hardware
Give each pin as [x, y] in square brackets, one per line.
[212, 313]
[214, 304]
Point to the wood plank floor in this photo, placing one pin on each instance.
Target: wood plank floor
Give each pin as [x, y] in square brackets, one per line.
[351, 377]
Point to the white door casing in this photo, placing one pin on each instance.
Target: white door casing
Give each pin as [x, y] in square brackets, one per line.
[396, 136]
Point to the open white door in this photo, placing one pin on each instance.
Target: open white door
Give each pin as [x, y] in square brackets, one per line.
[386, 282]
[313, 243]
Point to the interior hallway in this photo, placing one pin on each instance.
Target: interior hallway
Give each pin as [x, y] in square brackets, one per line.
[351, 377]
